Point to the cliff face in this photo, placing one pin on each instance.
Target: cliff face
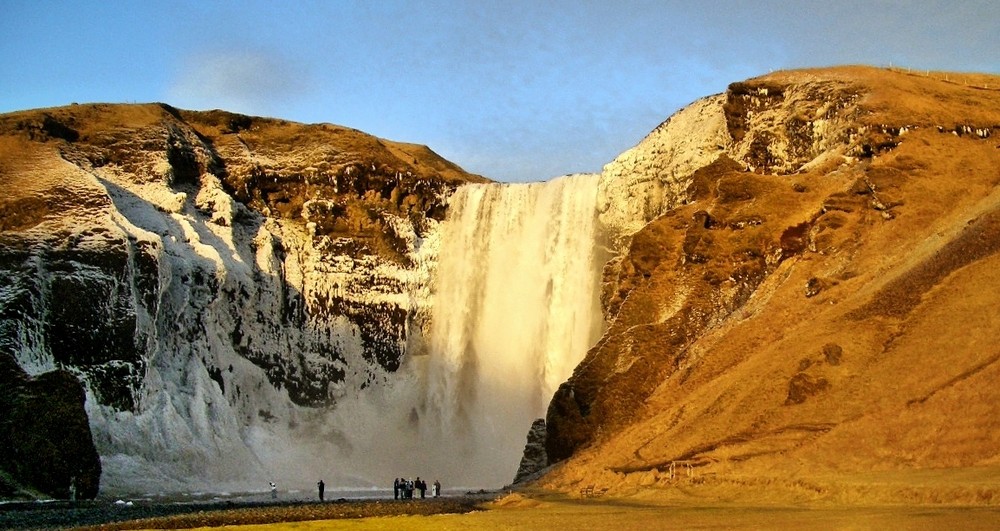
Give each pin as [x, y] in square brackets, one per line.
[45, 435]
[208, 275]
[809, 300]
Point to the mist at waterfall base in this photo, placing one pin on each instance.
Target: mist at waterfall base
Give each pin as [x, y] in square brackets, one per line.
[502, 303]
[515, 308]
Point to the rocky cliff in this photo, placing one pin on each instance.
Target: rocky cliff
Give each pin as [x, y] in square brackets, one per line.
[212, 278]
[804, 299]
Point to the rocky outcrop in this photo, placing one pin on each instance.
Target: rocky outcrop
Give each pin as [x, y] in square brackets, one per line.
[769, 127]
[534, 459]
[652, 177]
[45, 436]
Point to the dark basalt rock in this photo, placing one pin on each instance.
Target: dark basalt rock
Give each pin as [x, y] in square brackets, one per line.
[535, 459]
[802, 386]
[48, 291]
[44, 433]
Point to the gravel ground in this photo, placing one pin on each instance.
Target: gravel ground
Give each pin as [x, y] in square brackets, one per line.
[104, 515]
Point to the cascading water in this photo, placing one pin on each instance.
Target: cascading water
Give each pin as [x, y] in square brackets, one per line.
[511, 280]
[515, 309]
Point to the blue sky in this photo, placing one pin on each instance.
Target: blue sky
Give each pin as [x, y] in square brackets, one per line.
[516, 91]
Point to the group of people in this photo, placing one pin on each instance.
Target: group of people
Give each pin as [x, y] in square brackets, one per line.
[402, 489]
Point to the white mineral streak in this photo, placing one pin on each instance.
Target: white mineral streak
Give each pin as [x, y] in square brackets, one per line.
[32, 359]
[186, 435]
[652, 177]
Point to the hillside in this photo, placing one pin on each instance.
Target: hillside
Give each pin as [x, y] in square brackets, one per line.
[810, 312]
[798, 307]
[272, 166]
[216, 282]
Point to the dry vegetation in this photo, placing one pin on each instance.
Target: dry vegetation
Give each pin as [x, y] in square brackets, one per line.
[344, 182]
[821, 336]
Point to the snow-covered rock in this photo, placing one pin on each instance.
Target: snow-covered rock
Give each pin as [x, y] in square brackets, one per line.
[163, 257]
[653, 176]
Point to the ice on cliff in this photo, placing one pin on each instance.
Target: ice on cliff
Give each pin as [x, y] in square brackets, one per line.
[233, 313]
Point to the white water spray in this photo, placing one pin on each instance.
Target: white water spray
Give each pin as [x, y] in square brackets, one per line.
[515, 309]
[515, 274]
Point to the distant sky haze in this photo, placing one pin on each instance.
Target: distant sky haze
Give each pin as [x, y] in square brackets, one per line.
[513, 90]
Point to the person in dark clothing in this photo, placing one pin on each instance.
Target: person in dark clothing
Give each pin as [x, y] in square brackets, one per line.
[321, 486]
[421, 486]
[395, 488]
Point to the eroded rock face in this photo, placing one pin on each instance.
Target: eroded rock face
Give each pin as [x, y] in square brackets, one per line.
[728, 154]
[257, 265]
[682, 274]
[535, 458]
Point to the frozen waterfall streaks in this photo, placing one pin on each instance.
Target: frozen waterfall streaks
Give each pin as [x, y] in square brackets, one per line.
[515, 309]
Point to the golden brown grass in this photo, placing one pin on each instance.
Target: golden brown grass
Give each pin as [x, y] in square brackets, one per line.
[553, 512]
[900, 279]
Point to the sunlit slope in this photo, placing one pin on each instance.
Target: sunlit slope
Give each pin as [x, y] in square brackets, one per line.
[822, 328]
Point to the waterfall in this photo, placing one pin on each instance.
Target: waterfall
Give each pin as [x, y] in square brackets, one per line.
[511, 280]
[515, 309]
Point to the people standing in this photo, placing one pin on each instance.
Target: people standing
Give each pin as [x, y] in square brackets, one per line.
[437, 488]
[395, 488]
[422, 487]
[321, 486]
[274, 491]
